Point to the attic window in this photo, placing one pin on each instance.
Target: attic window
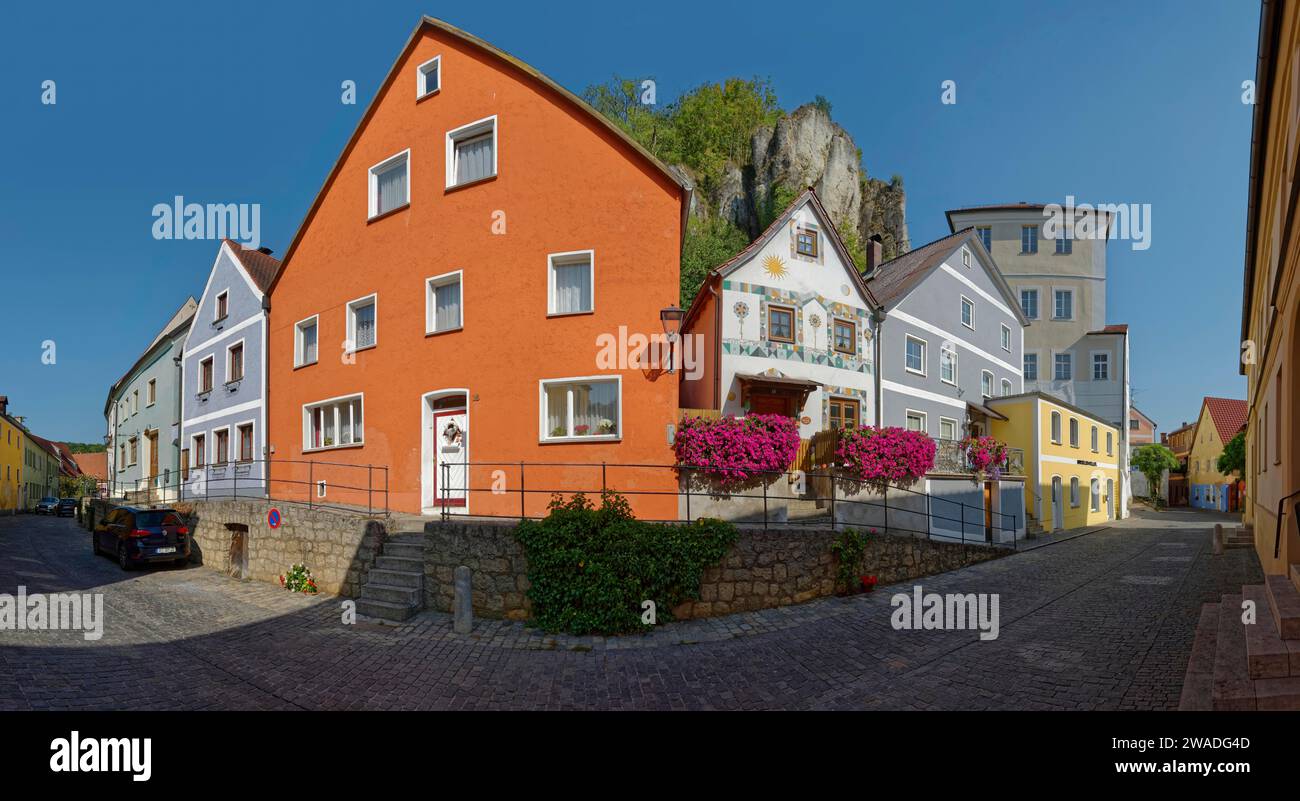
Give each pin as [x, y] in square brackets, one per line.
[428, 77]
[965, 257]
[805, 242]
[223, 307]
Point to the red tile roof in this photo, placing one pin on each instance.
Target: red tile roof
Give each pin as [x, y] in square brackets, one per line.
[261, 267]
[1228, 414]
[93, 464]
[1119, 328]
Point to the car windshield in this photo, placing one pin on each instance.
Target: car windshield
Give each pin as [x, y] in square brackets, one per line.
[68, 501]
[49, 500]
[160, 517]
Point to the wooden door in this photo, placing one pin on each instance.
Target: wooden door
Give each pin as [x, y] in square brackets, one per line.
[152, 436]
[769, 404]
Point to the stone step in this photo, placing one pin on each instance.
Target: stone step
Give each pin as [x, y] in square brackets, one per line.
[1267, 654]
[391, 594]
[399, 563]
[1198, 683]
[385, 610]
[1233, 688]
[1278, 694]
[1284, 599]
[396, 578]
[404, 549]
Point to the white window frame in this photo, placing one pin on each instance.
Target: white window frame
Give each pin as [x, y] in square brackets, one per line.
[925, 349]
[333, 403]
[1038, 301]
[1093, 360]
[1054, 430]
[150, 392]
[986, 378]
[430, 308]
[956, 374]
[965, 257]
[194, 452]
[468, 131]
[212, 443]
[1069, 291]
[213, 372]
[373, 183]
[244, 367]
[948, 420]
[1006, 337]
[965, 301]
[1038, 234]
[1110, 443]
[1007, 387]
[922, 416]
[1037, 365]
[298, 344]
[543, 433]
[350, 324]
[1070, 356]
[135, 401]
[979, 233]
[252, 447]
[1074, 432]
[550, 281]
[422, 89]
[1074, 492]
[1094, 439]
[217, 316]
[133, 451]
[1094, 494]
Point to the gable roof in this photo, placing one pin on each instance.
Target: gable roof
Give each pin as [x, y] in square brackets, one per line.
[261, 267]
[70, 465]
[427, 22]
[44, 444]
[1135, 410]
[808, 196]
[93, 464]
[179, 321]
[1228, 415]
[893, 280]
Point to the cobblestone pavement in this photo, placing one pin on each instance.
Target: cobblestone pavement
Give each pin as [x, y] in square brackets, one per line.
[1101, 621]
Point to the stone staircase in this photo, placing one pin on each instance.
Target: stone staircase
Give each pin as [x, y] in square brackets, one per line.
[1033, 528]
[1236, 666]
[395, 586]
[1239, 537]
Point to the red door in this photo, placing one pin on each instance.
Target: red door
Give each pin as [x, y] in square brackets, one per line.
[769, 404]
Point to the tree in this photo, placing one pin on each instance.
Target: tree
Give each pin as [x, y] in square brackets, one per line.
[1152, 461]
[708, 244]
[1233, 458]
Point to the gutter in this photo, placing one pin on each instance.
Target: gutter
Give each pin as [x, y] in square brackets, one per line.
[1269, 33]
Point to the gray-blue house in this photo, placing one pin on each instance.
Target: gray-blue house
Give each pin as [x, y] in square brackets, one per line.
[223, 428]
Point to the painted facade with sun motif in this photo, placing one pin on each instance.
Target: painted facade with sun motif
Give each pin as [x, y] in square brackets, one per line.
[790, 328]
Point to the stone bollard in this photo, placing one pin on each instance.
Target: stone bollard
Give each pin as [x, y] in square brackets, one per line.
[1218, 539]
[463, 605]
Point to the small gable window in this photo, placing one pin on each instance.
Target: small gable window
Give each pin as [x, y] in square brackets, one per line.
[428, 77]
[805, 242]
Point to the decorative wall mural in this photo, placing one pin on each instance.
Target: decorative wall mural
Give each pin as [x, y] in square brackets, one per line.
[741, 310]
[774, 267]
[816, 322]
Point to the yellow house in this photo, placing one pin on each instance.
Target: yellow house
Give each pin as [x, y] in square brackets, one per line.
[1071, 458]
[1219, 422]
[11, 463]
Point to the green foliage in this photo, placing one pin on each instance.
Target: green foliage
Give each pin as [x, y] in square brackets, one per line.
[708, 244]
[85, 447]
[1233, 458]
[822, 103]
[849, 551]
[771, 206]
[590, 568]
[1152, 461]
[853, 244]
[78, 487]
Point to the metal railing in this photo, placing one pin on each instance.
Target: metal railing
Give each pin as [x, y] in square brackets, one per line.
[915, 513]
[347, 487]
[951, 457]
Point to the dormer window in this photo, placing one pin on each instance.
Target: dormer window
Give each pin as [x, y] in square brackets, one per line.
[428, 77]
[805, 242]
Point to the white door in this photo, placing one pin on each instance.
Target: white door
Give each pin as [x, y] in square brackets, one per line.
[451, 453]
[1110, 499]
[1058, 513]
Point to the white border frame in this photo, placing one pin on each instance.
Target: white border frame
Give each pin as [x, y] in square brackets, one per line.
[252, 423]
[1007, 386]
[1056, 437]
[964, 301]
[152, 383]
[428, 449]
[421, 91]
[194, 451]
[430, 284]
[544, 439]
[297, 342]
[216, 305]
[1074, 309]
[956, 426]
[468, 131]
[306, 423]
[213, 434]
[1038, 365]
[1006, 329]
[956, 364]
[211, 357]
[1064, 352]
[1094, 436]
[925, 420]
[349, 328]
[1075, 436]
[244, 358]
[1038, 302]
[925, 354]
[1092, 365]
[372, 183]
[591, 282]
[992, 378]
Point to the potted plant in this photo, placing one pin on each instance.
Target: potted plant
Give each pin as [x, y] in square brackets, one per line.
[868, 583]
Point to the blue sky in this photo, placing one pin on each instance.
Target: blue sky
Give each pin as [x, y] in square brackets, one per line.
[1117, 102]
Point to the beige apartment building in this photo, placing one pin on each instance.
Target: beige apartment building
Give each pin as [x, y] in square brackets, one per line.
[1070, 351]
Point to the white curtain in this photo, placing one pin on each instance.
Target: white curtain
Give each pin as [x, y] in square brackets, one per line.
[557, 411]
[595, 409]
[573, 287]
[446, 304]
[309, 344]
[392, 187]
[365, 325]
[474, 158]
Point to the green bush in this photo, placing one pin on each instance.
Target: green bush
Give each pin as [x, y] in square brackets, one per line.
[590, 568]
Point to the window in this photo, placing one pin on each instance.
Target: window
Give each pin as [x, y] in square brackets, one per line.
[1056, 427]
[986, 236]
[304, 342]
[222, 307]
[845, 413]
[846, 337]
[121, 457]
[915, 360]
[333, 424]
[1006, 387]
[199, 443]
[1031, 367]
[235, 363]
[1006, 338]
[947, 428]
[1029, 303]
[390, 184]
[967, 312]
[443, 303]
[362, 323]
[135, 401]
[805, 242]
[948, 365]
[916, 421]
[1096, 495]
[1133, 424]
[1110, 443]
[1064, 369]
[581, 408]
[222, 449]
[428, 77]
[246, 442]
[1064, 242]
[1029, 239]
[151, 392]
[1074, 433]
[986, 384]
[1277, 428]
[780, 324]
[133, 450]
[572, 282]
[1101, 367]
[472, 152]
[1074, 491]
[1093, 442]
[205, 375]
[965, 257]
[1063, 304]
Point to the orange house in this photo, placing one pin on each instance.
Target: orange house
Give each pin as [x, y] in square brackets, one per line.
[440, 311]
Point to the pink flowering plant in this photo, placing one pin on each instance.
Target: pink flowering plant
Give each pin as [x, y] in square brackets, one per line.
[885, 456]
[985, 456]
[733, 450]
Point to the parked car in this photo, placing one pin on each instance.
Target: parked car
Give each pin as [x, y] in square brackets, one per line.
[137, 536]
[67, 507]
[47, 506]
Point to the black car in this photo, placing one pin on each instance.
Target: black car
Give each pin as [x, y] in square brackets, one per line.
[47, 506]
[137, 536]
[67, 507]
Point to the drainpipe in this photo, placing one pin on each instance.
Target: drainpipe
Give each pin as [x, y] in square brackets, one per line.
[879, 316]
[180, 395]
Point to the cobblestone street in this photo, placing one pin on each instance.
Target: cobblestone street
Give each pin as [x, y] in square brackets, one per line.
[1101, 621]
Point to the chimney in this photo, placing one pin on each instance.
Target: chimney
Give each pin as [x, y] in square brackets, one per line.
[875, 253]
[4, 404]
[265, 251]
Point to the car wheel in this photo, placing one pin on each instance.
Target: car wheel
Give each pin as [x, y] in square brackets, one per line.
[94, 543]
[122, 561]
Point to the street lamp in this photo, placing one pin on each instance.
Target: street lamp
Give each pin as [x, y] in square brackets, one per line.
[671, 317]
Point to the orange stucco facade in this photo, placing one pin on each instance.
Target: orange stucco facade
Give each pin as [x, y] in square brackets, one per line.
[564, 182]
